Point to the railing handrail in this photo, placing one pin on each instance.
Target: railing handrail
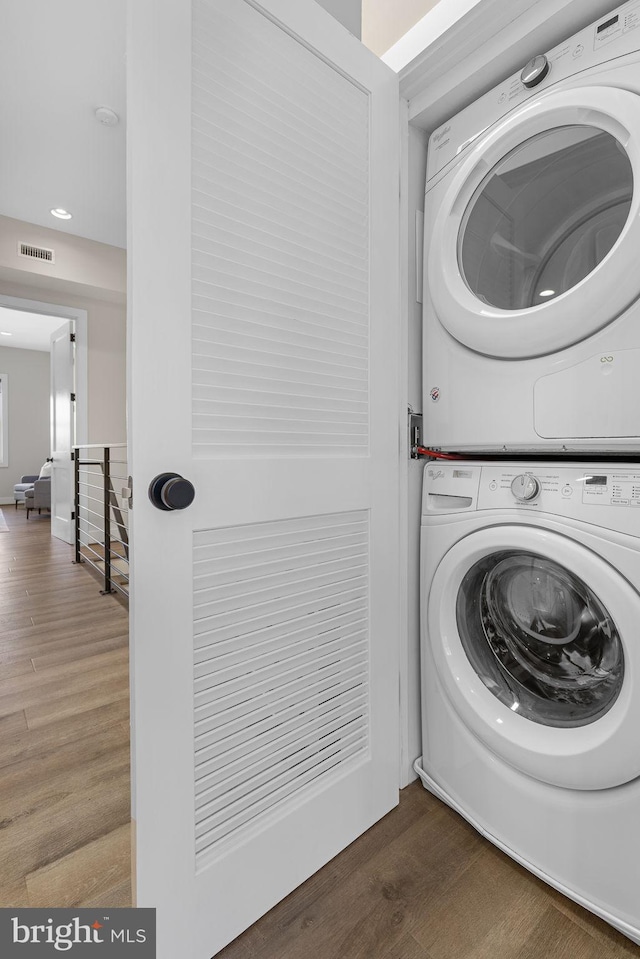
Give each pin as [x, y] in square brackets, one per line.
[99, 446]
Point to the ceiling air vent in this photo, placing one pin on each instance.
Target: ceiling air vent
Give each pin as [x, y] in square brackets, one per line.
[36, 252]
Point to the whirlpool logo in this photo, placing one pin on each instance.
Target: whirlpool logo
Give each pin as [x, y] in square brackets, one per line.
[441, 133]
[45, 932]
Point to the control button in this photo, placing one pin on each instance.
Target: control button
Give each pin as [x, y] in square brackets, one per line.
[502, 97]
[535, 71]
[623, 502]
[567, 490]
[578, 50]
[525, 487]
[493, 485]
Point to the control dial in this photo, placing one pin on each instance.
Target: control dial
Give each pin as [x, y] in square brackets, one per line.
[535, 71]
[525, 487]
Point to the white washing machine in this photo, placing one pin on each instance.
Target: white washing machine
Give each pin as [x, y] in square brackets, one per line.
[531, 668]
[532, 271]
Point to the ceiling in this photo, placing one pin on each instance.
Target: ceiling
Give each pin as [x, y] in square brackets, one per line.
[29, 331]
[59, 61]
[383, 23]
[62, 59]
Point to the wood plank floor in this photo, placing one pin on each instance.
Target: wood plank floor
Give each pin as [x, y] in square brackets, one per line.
[422, 884]
[64, 727]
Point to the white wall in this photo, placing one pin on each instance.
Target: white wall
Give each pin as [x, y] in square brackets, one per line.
[348, 12]
[89, 276]
[384, 22]
[28, 415]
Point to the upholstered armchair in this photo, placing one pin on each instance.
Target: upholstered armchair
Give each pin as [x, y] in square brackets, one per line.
[26, 482]
[38, 496]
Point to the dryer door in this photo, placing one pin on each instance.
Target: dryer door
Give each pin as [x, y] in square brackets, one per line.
[534, 640]
[534, 246]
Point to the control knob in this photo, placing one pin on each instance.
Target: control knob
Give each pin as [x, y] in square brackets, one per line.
[535, 71]
[525, 487]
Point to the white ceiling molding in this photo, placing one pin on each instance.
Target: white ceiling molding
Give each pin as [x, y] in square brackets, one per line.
[463, 58]
[426, 33]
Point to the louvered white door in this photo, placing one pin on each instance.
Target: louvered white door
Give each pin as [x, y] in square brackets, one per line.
[263, 250]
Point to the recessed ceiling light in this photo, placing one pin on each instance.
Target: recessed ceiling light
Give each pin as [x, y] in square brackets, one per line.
[62, 214]
[2, 333]
[547, 293]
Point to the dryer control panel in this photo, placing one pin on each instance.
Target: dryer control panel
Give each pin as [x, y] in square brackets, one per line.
[603, 494]
[613, 35]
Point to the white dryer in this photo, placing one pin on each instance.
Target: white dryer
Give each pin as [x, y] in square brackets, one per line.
[531, 668]
[532, 268]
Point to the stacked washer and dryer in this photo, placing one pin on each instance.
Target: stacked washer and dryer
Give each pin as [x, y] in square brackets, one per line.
[531, 558]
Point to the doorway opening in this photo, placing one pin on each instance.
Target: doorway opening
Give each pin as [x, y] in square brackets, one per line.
[64, 681]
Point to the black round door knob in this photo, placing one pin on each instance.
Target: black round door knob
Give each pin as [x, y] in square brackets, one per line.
[169, 491]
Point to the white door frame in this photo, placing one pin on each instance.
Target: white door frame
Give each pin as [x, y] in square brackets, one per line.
[80, 318]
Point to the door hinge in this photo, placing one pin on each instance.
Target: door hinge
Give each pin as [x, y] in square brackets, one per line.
[73, 397]
[73, 455]
[415, 433]
[73, 514]
[127, 492]
[72, 337]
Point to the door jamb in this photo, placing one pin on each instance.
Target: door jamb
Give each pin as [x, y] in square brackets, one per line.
[81, 360]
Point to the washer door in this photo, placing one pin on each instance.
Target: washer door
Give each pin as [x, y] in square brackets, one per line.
[531, 636]
[535, 242]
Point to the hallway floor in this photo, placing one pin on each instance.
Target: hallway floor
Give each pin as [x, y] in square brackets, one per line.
[64, 727]
[422, 884]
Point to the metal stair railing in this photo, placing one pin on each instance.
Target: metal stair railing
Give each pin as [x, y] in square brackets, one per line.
[101, 514]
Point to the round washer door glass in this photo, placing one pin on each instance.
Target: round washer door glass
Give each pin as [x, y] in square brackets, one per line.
[539, 639]
[545, 217]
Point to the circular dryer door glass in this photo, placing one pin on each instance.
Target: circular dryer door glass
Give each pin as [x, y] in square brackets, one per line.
[539, 639]
[545, 217]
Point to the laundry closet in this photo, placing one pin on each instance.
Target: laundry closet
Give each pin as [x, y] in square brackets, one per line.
[529, 537]
[277, 286]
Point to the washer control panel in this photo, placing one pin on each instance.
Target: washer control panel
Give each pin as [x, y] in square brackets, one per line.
[615, 488]
[600, 486]
[603, 494]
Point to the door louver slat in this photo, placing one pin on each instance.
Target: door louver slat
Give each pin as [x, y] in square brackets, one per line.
[281, 660]
[276, 169]
[219, 778]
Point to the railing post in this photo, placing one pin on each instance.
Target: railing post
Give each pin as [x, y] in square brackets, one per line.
[107, 519]
[76, 501]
